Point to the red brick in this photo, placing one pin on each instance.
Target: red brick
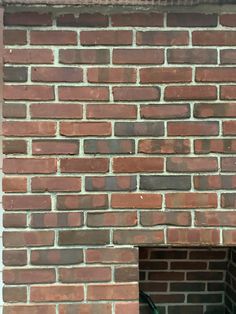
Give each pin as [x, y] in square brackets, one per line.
[29, 128]
[56, 184]
[83, 20]
[224, 146]
[106, 38]
[84, 56]
[202, 92]
[56, 111]
[115, 111]
[14, 37]
[56, 220]
[85, 201]
[111, 75]
[105, 219]
[84, 274]
[56, 74]
[84, 237]
[126, 274]
[228, 56]
[214, 38]
[228, 164]
[165, 111]
[15, 294]
[215, 74]
[138, 56]
[15, 257]
[192, 164]
[29, 165]
[136, 93]
[53, 38]
[195, 236]
[97, 308]
[191, 20]
[14, 147]
[165, 75]
[191, 200]
[83, 93]
[215, 182]
[228, 92]
[109, 146]
[137, 164]
[136, 201]
[112, 255]
[30, 309]
[89, 165]
[28, 56]
[228, 20]
[111, 183]
[138, 19]
[192, 56]
[29, 276]
[186, 128]
[28, 238]
[228, 200]
[85, 128]
[14, 111]
[27, 19]
[138, 237]
[58, 293]
[56, 257]
[131, 307]
[206, 110]
[170, 218]
[162, 38]
[28, 92]
[215, 219]
[55, 147]
[166, 146]
[229, 237]
[11, 220]
[26, 202]
[229, 128]
[112, 292]
[14, 184]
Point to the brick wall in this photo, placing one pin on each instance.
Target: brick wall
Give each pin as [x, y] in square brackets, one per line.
[119, 132]
[230, 297]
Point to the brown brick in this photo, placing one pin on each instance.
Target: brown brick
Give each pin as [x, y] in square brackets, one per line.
[27, 19]
[112, 255]
[84, 56]
[137, 164]
[83, 93]
[114, 219]
[138, 237]
[28, 238]
[126, 274]
[14, 111]
[15, 74]
[227, 56]
[138, 19]
[139, 129]
[14, 184]
[113, 292]
[136, 93]
[83, 20]
[228, 164]
[138, 56]
[116, 111]
[192, 56]
[222, 110]
[229, 237]
[136, 200]
[162, 38]
[191, 20]
[111, 146]
[111, 183]
[214, 38]
[14, 257]
[56, 184]
[228, 200]
[83, 237]
[97, 308]
[85, 201]
[56, 257]
[57, 293]
[55, 147]
[227, 92]
[56, 74]
[56, 220]
[224, 146]
[191, 200]
[28, 276]
[30, 309]
[229, 127]
[53, 38]
[14, 37]
[15, 294]
[217, 75]
[192, 164]
[56, 111]
[215, 182]
[165, 111]
[14, 147]
[85, 128]
[215, 219]
[84, 274]
[157, 182]
[26, 202]
[106, 38]
[165, 75]
[111, 75]
[131, 307]
[29, 128]
[228, 20]
[84, 165]
[166, 146]
[13, 220]
[170, 218]
[29, 165]
[28, 92]
[28, 56]
[195, 236]
[201, 92]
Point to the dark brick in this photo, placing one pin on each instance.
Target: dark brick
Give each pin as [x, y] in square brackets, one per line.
[15, 74]
[228, 200]
[165, 183]
[139, 129]
[15, 147]
[14, 111]
[109, 146]
[111, 183]
[56, 257]
[65, 202]
[84, 237]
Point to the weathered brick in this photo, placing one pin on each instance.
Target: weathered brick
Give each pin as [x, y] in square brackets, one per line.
[136, 93]
[111, 146]
[13, 220]
[162, 38]
[81, 165]
[114, 219]
[229, 237]
[222, 110]
[85, 201]
[116, 111]
[29, 128]
[228, 200]
[27, 19]
[194, 236]
[98, 308]
[215, 74]
[191, 20]
[53, 37]
[136, 201]
[29, 309]
[14, 257]
[167, 146]
[14, 147]
[56, 184]
[224, 146]
[192, 56]
[84, 56]
[26, 202]
[227, 92]
[28, 92]
[84, 274]
[201, 92]
[83, 93]
[83, 20]
[228, 164]
[28, 56]
[111, 75]
[227, 56]
[228, 20]
[192, 164]
[165, 111]
[14, 110]
[149, 219]
[214, 38]
[29, 276]
[56, 220]
[55, 147]
[215, 182]
[137, 164]
[56, 111]
[138, 56]
[106, 38]
[29, 165]
[28, 238]
[131, 307]
[112, 255]
[15, 294]
[14, 37]
[215, 219]
[111, 183]
[83, 237]
[139, 128]
[137, 19]
[191, 200]
[85, 128]
[229, 127]
[152, 183]
[14, 184]
[56, 257]
[15, 74]
[56, 74]
[165, 75]
[138, 237]
[126, 274]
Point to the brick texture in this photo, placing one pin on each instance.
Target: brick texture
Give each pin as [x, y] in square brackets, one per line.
[119, 132]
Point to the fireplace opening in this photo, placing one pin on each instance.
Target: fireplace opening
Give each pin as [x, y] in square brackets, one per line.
[188, 280]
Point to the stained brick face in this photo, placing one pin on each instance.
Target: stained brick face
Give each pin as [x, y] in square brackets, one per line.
[118, 133]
